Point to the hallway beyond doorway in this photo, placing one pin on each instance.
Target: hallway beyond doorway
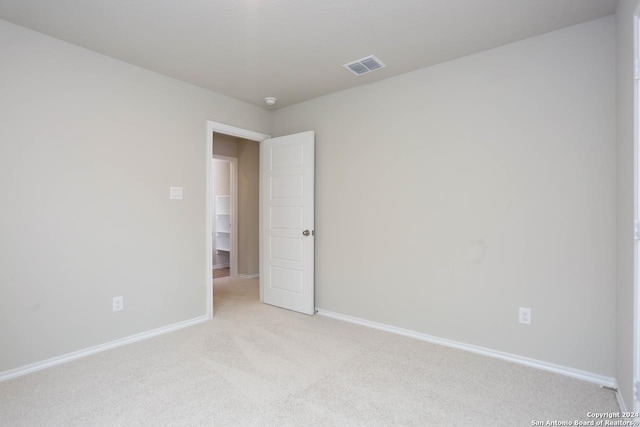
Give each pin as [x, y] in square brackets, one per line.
[220, 272]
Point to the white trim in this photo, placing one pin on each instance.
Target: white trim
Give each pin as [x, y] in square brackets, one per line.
[621, 404]
[208, 228]
[219, 266]
[233, 131]
[238, 132]
[58, 360]
[551, 367]
[635, 404]
[248, 276]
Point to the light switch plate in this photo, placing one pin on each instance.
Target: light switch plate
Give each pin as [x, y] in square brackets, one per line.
[175, 193]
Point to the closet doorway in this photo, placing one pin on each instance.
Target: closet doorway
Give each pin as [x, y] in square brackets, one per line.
[226, 142]
[224, 217]
[234, 205]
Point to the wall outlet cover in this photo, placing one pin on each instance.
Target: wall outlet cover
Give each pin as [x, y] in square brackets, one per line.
[118, 304]
[175, 193]
[524, 315]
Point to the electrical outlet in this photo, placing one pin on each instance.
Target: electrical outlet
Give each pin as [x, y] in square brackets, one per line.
[118, 303]
[524, 315]
[175, 193]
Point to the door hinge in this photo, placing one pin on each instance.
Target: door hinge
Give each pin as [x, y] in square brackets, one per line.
[636, 230]
[636, 390]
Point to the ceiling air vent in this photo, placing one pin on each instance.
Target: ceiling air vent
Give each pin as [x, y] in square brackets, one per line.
[364, 65]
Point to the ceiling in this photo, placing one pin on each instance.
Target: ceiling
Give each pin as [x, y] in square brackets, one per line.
[292, 49]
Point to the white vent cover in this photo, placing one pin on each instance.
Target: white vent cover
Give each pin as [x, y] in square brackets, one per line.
[364, 65]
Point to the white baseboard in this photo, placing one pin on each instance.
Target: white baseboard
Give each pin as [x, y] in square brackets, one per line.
[248, 276]
[559, 369]
[219, 266]
[38, 366]
[621, 404]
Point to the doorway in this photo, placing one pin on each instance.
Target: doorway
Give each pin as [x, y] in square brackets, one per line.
[241, 149]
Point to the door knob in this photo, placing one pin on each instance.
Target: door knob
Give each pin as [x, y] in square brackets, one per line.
[306, 233]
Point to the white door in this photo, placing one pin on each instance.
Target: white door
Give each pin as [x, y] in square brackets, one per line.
[287, 221]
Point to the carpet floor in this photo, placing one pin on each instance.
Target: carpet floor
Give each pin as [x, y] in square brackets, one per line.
[257, 365]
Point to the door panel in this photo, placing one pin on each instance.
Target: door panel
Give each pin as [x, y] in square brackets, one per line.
[287, 210]
[286, 249]
[287, 186]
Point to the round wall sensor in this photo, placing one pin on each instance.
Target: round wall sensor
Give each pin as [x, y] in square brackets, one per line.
[270, 100]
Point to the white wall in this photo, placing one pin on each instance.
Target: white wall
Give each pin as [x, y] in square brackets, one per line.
[88, 149]
[449, 196]
[625, 199]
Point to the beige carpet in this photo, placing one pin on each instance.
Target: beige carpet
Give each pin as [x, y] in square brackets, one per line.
[256, 365]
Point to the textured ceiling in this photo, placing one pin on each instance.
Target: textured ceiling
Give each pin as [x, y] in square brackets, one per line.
[292, 49]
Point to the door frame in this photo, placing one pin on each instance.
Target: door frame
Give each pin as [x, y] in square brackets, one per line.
[636, 208]
[233, 192]
[240, 133]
